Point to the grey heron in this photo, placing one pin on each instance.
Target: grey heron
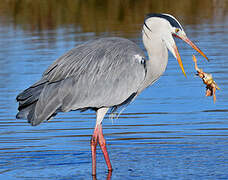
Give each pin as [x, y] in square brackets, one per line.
[103, 74]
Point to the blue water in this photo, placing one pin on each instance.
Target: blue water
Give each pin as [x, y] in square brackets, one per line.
[171, 131]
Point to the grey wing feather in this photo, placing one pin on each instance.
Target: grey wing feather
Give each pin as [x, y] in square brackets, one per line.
[81, 59]
[99, 73]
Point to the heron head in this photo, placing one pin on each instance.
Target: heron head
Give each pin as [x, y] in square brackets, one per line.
[167, 27]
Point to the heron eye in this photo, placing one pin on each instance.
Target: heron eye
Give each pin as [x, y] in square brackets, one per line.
[177, 30]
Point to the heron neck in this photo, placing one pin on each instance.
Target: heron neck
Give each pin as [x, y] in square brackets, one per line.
[158, 58]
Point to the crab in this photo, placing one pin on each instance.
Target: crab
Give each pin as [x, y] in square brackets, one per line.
[207, 78]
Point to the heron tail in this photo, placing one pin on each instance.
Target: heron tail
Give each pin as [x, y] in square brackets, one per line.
[28, 99]
[39, 102]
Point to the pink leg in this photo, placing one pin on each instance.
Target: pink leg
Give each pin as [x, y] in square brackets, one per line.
[102, 143]
[98, 136]
[93, 149]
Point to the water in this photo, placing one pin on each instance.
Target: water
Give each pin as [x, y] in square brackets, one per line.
[171, 131]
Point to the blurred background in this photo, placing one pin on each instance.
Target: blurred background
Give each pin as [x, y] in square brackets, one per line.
[171, 131]
[100, 16]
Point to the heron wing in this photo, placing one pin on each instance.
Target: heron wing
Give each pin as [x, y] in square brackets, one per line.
[103, 72]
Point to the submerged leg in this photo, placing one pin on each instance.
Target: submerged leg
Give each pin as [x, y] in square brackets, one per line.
[98, 136]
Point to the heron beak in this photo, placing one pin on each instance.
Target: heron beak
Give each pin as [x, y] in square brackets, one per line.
[188, 41]
[179, 59]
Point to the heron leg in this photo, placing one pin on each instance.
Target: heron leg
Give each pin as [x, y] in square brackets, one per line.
[99, 137]
[93, 149]
[102, 143]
